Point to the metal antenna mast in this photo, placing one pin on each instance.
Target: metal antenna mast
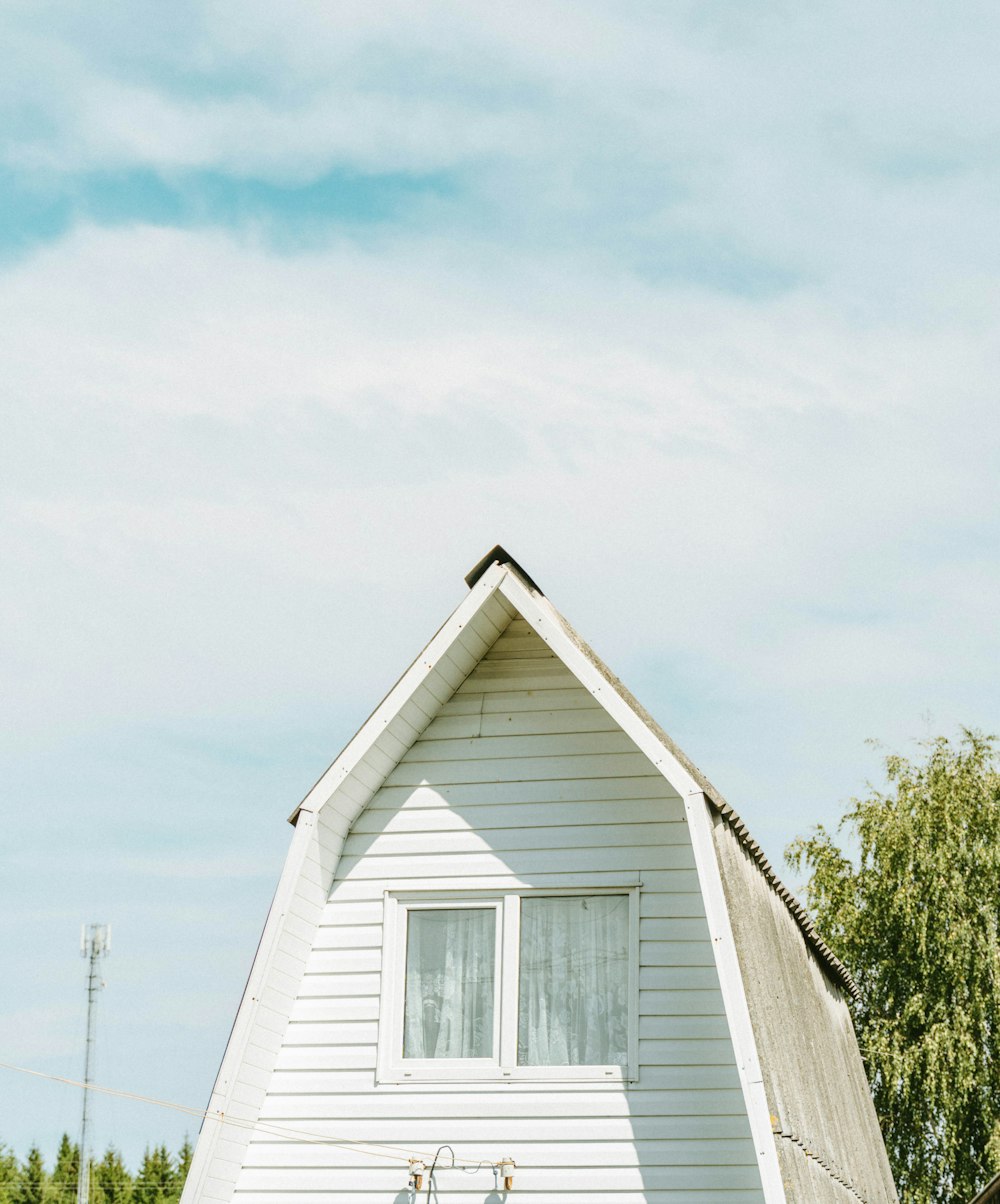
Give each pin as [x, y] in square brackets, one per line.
[95, 944]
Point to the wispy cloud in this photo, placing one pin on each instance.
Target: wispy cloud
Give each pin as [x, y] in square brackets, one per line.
[40, 209]
[751, 153]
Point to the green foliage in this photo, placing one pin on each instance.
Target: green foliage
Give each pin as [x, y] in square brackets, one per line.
[916, 917]
[156, 1181]
[184, 1156]
[9, 1174]
[112, 1182]
[159, 1181]
[31, 1181]
[61, 1186]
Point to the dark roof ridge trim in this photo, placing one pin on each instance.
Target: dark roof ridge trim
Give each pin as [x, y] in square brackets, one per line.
[499, 555]
[802, 917]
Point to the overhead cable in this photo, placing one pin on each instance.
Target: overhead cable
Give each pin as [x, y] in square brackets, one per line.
[375, 1149]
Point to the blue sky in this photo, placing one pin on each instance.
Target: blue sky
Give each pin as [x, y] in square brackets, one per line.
[304, 307]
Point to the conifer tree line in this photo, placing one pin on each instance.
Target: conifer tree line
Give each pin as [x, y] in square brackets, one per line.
[159, 1180]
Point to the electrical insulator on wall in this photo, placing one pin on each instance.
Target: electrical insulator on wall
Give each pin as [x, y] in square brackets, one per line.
[417, 1170]
[507, 1173]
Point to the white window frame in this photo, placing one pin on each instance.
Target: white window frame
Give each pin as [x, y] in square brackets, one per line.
[502, 1067]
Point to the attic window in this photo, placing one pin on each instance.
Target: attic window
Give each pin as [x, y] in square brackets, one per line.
[448, 1006]
[527, 985]
[573, 981]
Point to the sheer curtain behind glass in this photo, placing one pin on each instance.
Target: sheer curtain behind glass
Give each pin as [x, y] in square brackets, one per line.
[573, 992]
[448, 1011]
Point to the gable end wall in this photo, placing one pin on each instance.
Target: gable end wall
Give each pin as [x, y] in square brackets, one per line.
[520, 779]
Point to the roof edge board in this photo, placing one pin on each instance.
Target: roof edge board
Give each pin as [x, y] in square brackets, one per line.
[593, 675]
[419, 670]
[205, 1164]
[727, 961]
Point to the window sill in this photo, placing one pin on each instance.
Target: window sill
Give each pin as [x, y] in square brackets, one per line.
[607, 1076]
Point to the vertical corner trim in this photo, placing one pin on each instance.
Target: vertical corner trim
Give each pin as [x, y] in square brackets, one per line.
[734, 997]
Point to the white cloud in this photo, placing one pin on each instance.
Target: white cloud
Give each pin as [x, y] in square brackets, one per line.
[239, 437]
[810, 138]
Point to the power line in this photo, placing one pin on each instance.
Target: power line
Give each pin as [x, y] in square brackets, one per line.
[374, 1149]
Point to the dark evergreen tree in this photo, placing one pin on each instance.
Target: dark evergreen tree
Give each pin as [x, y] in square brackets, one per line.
[61, 1187]
[155, 1181]
[184, 1156]
[9, 1174]
[112, 1184]
[31, 1180]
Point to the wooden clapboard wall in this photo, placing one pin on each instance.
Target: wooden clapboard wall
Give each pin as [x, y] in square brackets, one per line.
[520, 774]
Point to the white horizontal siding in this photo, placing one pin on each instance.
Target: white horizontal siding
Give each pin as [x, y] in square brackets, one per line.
[422, 814]
[551, 791]
[518, 778]
[595, 1151]
[653, 954]
[351, 1054]
[452, 1107]
[453, 1187]
[615, 1135]
[516, 839]
[384, 1182]
[668, 893]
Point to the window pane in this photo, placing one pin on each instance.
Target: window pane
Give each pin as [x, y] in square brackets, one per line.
[448, 1010]
[573, 988]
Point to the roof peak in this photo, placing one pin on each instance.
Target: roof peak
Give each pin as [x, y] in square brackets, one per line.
[500, 555]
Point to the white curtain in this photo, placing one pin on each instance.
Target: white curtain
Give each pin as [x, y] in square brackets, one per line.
[573, 991]
[448, 1011]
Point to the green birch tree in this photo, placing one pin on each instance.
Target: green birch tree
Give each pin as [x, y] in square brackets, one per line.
[915, 915]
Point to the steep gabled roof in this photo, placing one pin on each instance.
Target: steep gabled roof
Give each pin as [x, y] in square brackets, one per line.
[497, 579]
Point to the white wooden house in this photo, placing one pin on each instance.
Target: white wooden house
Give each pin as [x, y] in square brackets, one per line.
[516, 921]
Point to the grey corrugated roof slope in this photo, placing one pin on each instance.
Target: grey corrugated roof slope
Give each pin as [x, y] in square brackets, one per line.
[824, 953]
